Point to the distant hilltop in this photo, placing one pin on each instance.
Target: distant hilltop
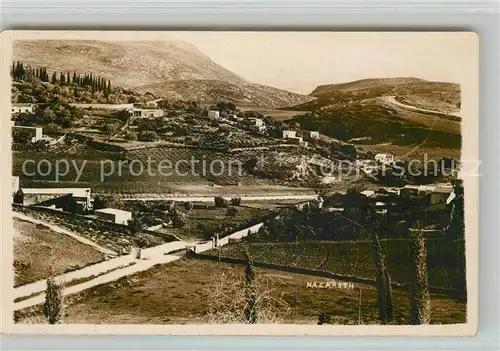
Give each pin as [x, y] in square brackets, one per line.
[173, 69]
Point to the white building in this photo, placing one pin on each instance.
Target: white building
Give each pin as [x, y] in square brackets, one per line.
[256, 122]
[212, 114]
[32, 133]
[147, 112]
[289, 134]
[21, 108]
[312, 134]
[367, 193]
[114, 215]
[384, 158]
[15, 184]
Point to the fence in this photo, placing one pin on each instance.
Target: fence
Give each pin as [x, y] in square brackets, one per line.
[161, 249]
[306, 271]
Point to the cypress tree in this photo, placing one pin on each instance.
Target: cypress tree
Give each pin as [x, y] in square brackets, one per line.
[75, 80]
[251, 309]
[54, 78]
[420, 299]
[53, 306]
[63, 79]
[384, 288]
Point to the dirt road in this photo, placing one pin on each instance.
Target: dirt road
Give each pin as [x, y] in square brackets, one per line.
[117, 268]
[394, 101]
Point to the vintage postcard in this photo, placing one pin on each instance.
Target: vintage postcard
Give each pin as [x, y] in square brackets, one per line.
[240, 183]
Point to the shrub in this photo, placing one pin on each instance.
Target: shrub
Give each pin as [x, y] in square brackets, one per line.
[147, 136]
[232, 211]
[236, 201]
[220, 201]
[178, 219]
[131, 136]
[135, 224]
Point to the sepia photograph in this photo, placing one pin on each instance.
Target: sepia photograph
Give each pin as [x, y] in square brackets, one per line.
[240, 183]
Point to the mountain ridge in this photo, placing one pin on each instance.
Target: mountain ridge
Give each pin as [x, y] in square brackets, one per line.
[151, 66]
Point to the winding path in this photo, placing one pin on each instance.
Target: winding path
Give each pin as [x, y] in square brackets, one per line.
[394, 101]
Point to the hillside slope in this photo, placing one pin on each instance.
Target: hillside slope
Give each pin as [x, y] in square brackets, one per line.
[171, 68]
[438, 96]
[397, 111]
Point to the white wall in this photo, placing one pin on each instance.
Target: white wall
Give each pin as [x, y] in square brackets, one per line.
[161, 249]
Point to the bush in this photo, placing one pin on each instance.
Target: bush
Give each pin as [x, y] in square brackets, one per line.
[131, 136]
[135, 224]
[147, 136]
[178, 219]
[220, 201]
[236, 201]
[232, 211]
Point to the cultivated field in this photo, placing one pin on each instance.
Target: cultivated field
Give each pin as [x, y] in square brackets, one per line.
[177, 293]
[204, 220]
[40, 252]
[115, 237]
[355, 258]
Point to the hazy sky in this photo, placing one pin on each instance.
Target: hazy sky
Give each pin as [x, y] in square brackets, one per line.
[300, 61]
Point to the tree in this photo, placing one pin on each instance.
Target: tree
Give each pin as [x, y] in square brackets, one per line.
[220, 201]
[251, 291]
[54, 78]
[420, 299]
[384, 288]
[230, 302]
[104, 201]
[147, 135]
[135, 224]
[19, 197]
[53, 306]
[236, 201]
[232, 211]
[188, 206]
[178, 218]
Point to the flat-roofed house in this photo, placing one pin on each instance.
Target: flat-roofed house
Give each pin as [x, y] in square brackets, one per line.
[442, 193]
[311, 134]
[212, 114]
[289, 134]
[68, 199]
[27, 133]
[113, 215]
[384, 158]
[15, 184]
[21, 108]
[147, 112]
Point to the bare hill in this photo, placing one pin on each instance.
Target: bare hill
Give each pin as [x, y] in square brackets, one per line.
[439, 96]
[170, 68]
[213, 90]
